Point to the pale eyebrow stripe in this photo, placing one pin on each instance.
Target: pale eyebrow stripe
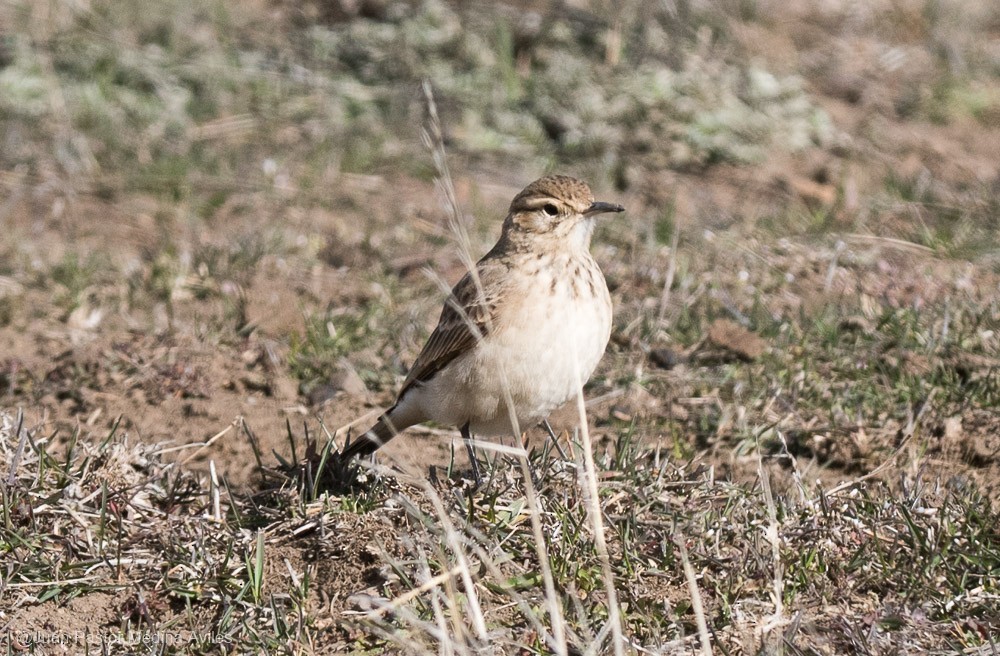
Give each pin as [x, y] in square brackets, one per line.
[537, 202]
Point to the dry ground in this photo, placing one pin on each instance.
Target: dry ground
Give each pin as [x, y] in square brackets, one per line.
[800, 398]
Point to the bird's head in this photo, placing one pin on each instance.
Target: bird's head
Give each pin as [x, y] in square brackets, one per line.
[556, 206]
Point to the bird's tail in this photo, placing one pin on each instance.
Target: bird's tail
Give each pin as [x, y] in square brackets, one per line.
[372, 439]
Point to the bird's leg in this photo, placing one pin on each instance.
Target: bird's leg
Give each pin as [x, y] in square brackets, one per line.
[555, 440]
[467, 437]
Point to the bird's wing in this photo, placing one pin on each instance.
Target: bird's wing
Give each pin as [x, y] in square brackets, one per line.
[466, 318]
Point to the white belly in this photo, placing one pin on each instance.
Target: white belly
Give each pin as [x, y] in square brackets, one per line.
[537, 358]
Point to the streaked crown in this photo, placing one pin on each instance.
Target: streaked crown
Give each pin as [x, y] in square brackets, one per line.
[566, 194]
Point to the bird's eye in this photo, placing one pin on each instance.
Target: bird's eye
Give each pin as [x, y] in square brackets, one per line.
[550, 209]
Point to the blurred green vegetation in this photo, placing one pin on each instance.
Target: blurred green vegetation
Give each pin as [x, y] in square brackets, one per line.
[171, 97]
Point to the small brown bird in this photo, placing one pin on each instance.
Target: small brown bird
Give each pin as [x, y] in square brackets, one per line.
[520, 333]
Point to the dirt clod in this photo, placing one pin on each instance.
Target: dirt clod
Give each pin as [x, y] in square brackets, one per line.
[736, 340]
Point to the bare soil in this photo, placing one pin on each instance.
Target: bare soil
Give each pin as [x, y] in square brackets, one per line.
[169, 376]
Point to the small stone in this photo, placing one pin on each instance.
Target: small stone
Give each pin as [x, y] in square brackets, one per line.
[734, 338]
[620, 413]
[321, 393]
[252, 356]
[364, 602]
[665, 358]
[347, 380]
[856, 323]
[678, 412]
[814, 194]
[953, 428]
[255, 382]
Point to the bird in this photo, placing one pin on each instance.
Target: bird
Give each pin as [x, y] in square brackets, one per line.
[519, 334]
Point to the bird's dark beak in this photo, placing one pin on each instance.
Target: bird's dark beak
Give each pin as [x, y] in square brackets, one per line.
[600, 207]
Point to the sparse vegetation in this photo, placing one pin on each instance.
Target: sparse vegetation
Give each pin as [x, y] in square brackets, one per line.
[222, 244]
